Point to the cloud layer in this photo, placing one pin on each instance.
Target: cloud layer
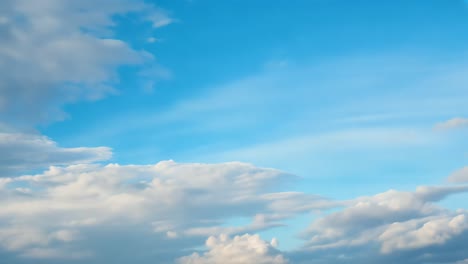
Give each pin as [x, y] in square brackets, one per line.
[167, 201]
[175, 207]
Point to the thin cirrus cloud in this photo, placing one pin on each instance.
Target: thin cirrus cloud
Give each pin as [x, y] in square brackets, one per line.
[160, 18]
[246, 102]
[451, 124]
[361, 119]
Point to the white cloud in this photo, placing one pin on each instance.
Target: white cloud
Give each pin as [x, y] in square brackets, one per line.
[176, 206]
[32, 151]
[245, 249]
[454, 123]
[418, 234]
[160, 18]
[168, 201]
[56, 52]
[385, 217]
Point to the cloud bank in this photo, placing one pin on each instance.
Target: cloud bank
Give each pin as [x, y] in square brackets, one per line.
[167, 201]
[120, 213]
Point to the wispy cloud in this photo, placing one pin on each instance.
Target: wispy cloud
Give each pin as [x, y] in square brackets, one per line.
[460, 175]
[160, 17]
[454, 123]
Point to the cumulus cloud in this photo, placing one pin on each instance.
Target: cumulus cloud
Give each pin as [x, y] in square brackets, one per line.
[32, 151]
[55, 52]
[393, 221]
[454, 123]
[422, 232]
[459, 176]
[243, 249]
[162, 202]
[174, 207]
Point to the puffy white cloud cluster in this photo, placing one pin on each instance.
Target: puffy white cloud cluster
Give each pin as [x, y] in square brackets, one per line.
[245, 249]
[394, 220]
[70, 212]
[419, 233]
[51, 213]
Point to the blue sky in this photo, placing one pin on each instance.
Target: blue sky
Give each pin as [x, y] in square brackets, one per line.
[217, 121]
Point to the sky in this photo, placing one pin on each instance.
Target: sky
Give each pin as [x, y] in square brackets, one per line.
[204, 131]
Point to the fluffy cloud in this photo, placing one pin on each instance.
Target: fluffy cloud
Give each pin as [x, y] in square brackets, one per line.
[33, 151]
[239, 250]
[163, 211]
[453, 123]
[393, 221]
[162, 202]
[422, 232]
[53, 52]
